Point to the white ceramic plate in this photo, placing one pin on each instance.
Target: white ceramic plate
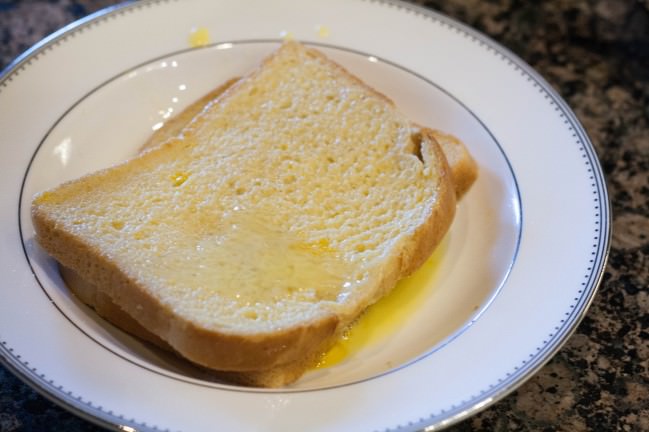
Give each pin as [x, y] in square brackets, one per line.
[514, 277]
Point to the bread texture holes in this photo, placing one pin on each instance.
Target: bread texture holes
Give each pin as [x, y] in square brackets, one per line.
[416, 139]
[289, 179]
[251, 315]
[177, 179]
[117, 224]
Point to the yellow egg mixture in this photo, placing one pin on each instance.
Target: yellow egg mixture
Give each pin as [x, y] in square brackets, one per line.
[386, 316]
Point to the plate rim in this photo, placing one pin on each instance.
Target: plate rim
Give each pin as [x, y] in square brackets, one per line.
[458, 412]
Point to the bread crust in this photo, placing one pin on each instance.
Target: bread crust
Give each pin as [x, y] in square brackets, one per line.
[430, 234]
[464, 168]
[105, 307]
[276, 357]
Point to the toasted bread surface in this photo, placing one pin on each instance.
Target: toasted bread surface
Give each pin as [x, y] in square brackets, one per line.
[300, 172]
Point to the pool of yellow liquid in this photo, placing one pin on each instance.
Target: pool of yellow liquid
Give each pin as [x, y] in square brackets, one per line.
[385, 317]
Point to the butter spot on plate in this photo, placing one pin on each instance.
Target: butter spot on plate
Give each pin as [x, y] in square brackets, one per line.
[286, 35]
[322, 31]
[199, 37]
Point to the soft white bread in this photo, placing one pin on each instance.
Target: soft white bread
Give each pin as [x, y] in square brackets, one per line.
[464, 169]
[288, 206]
[174, 126]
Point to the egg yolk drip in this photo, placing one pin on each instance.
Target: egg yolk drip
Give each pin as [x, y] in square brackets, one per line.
[386, 316]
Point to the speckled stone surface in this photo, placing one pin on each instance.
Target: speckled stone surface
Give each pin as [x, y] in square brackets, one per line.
[596, 54]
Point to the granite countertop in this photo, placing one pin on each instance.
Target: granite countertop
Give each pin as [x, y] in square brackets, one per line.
[596, 55]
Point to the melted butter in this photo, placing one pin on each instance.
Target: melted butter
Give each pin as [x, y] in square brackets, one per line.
[319, 247]
[45, 197]
[322, 31]
[179, 178]
[199, 37]
[385, 317]
[244, 259]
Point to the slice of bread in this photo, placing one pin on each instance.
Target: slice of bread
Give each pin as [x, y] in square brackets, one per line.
[464, 172]
[285, 208]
